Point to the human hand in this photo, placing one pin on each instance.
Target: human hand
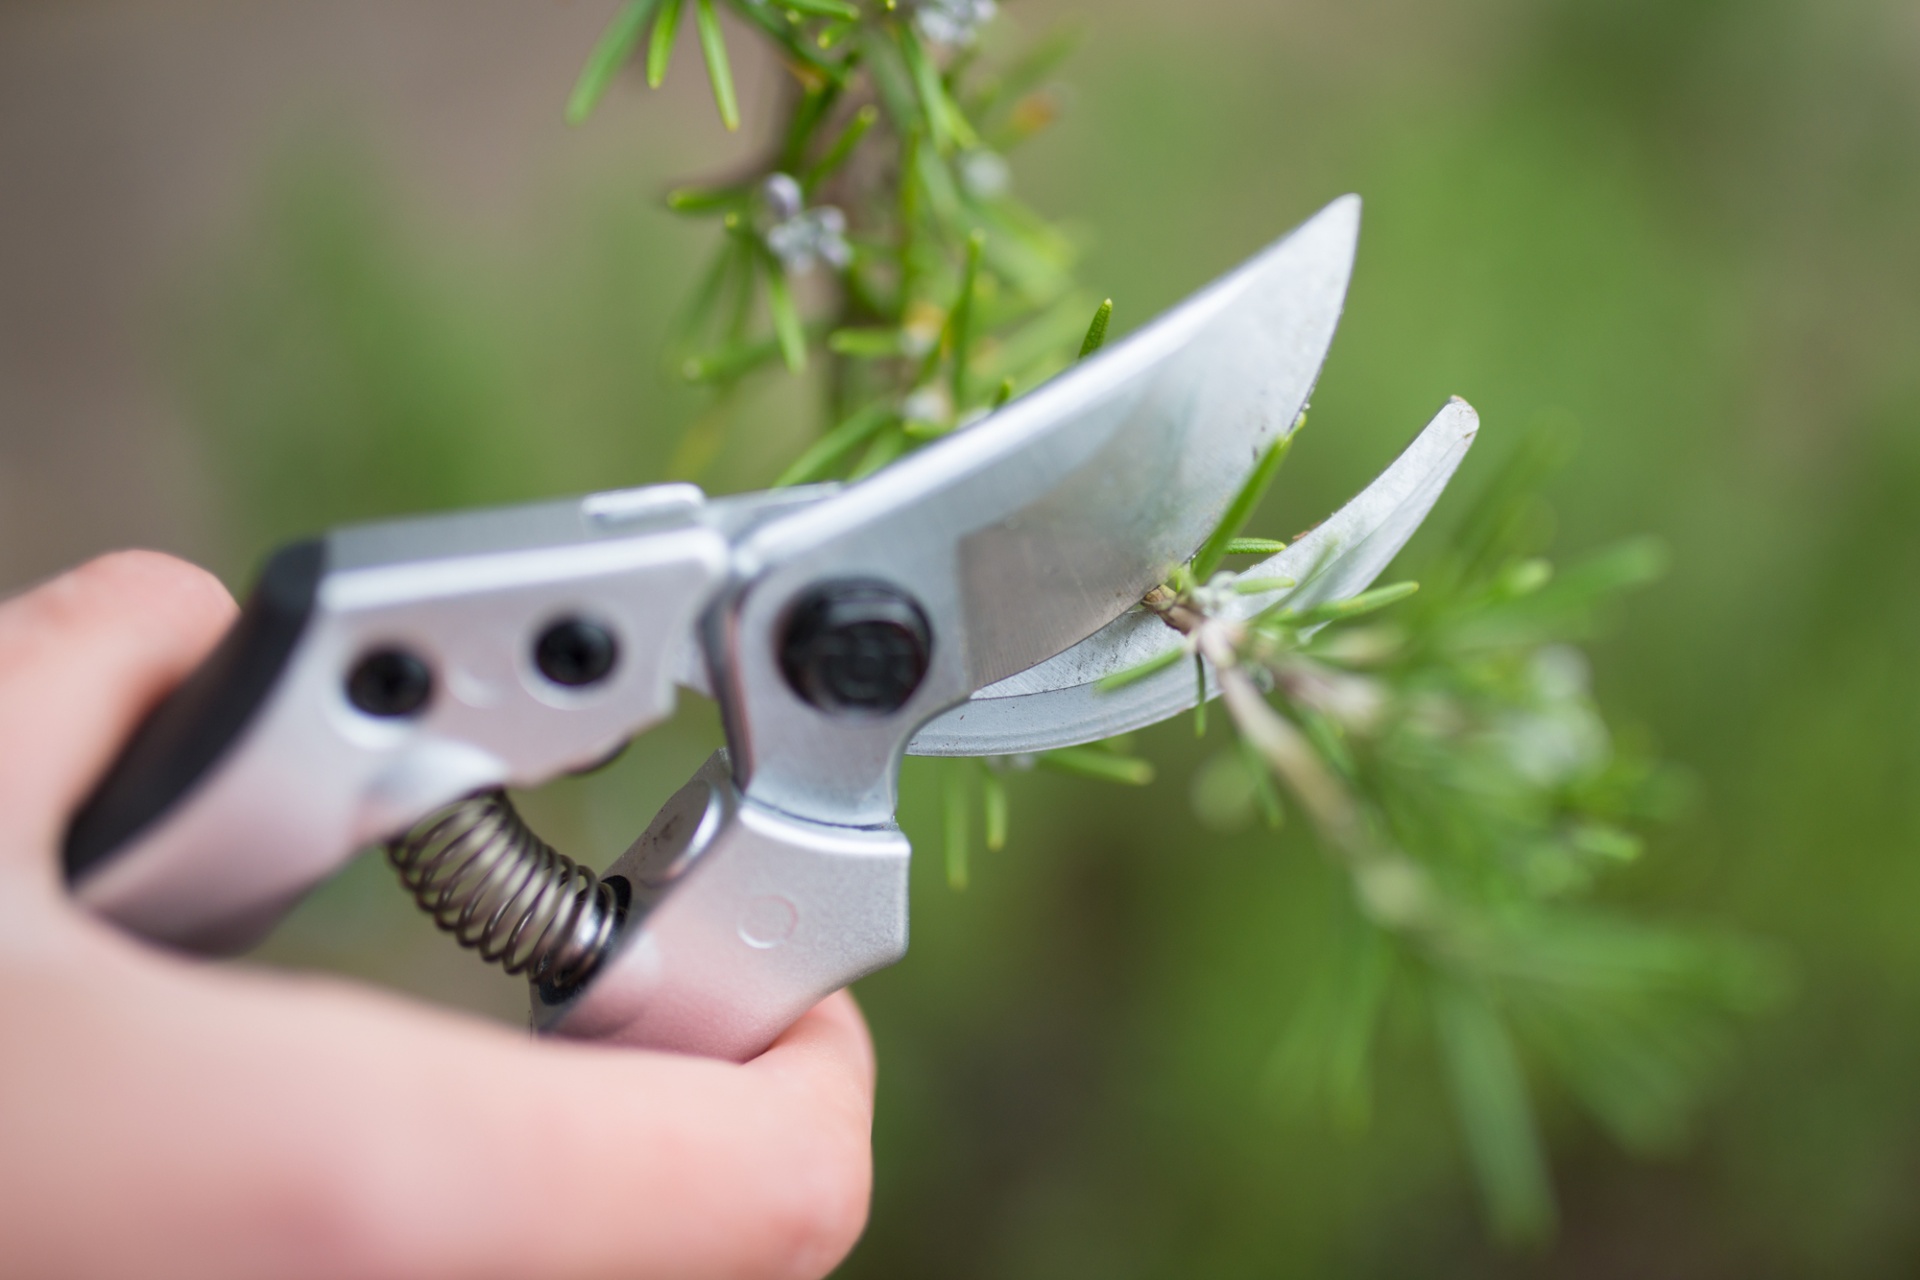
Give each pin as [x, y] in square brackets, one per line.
[161, 1116]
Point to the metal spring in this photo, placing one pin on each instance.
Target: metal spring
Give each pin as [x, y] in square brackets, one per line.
[501, 890]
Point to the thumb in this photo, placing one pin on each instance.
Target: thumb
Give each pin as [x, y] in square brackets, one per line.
[82, 659]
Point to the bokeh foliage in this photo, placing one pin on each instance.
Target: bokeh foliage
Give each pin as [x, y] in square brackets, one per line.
[1683, 229]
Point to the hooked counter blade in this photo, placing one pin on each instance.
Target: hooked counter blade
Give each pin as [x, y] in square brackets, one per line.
[1058, 704]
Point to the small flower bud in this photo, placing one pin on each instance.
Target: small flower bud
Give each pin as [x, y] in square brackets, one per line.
[781, 195]
[984, 174]
[930, 404]
[799, 237]
[952, 21]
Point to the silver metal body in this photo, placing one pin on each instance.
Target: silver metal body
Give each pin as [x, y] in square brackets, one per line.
[745, 918]
[313, 779]
[777, 875]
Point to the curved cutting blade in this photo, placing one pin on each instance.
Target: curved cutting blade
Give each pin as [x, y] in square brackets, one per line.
[1057, 703]
[1031, 530]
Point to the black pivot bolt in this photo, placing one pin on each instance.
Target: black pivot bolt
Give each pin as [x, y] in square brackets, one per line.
[856, 646]
[390, 683]
[575, 652]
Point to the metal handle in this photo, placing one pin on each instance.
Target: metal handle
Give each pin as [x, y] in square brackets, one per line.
[375, 678]
[739, 919]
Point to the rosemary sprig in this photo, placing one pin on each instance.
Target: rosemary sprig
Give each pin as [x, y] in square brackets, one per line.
[1444, 748]
[1456, 772]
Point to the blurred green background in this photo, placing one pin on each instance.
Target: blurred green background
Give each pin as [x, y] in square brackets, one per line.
[268, 267]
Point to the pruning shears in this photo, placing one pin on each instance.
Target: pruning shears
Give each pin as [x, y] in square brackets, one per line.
[386, 682]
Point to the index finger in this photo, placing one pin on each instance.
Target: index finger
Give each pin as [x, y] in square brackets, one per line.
[82, 658]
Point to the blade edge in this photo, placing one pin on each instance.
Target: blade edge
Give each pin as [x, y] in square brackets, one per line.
[1057, 703]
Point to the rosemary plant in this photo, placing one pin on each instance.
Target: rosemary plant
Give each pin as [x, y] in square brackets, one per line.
[1443, 748]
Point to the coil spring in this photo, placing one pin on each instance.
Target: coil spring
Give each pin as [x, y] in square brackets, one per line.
[501, 890]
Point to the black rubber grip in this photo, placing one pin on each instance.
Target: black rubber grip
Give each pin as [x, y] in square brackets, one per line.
[187, 734]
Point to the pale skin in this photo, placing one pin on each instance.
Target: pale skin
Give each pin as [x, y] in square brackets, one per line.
[162, 1116]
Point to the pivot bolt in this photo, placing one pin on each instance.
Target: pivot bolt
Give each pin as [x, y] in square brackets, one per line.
[575, 652]
[856, 647]
[390, 683]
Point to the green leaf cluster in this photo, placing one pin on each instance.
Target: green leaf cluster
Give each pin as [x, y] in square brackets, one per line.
[1458, 773]
[881, 233]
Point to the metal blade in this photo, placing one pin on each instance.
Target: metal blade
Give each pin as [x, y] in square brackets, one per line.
[1031, 530]
[1057, 704]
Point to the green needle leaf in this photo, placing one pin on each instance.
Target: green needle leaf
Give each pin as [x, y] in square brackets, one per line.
[1133, 675]
[1490, 1097]
[1027, 71]
[1097, 331]
[863, 120]
[806, 117]
[728, 362]
[779, 27]
[926, 85]
[1200, 696]
[714, 46]
[1265, 793]
[1324, 1060]
[1341, 610]
[925, 430]
[1102, 766]
[945, 122]
[660, 46]
[734, 360]
[616, 45]
[960, 323]
[865, 344]
[704, 200]
[734, 257]
[886, 446]
[994, 806]
[821, 9]
[1214, 549]
[958, 838]
[827, 452]
[786, 319]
